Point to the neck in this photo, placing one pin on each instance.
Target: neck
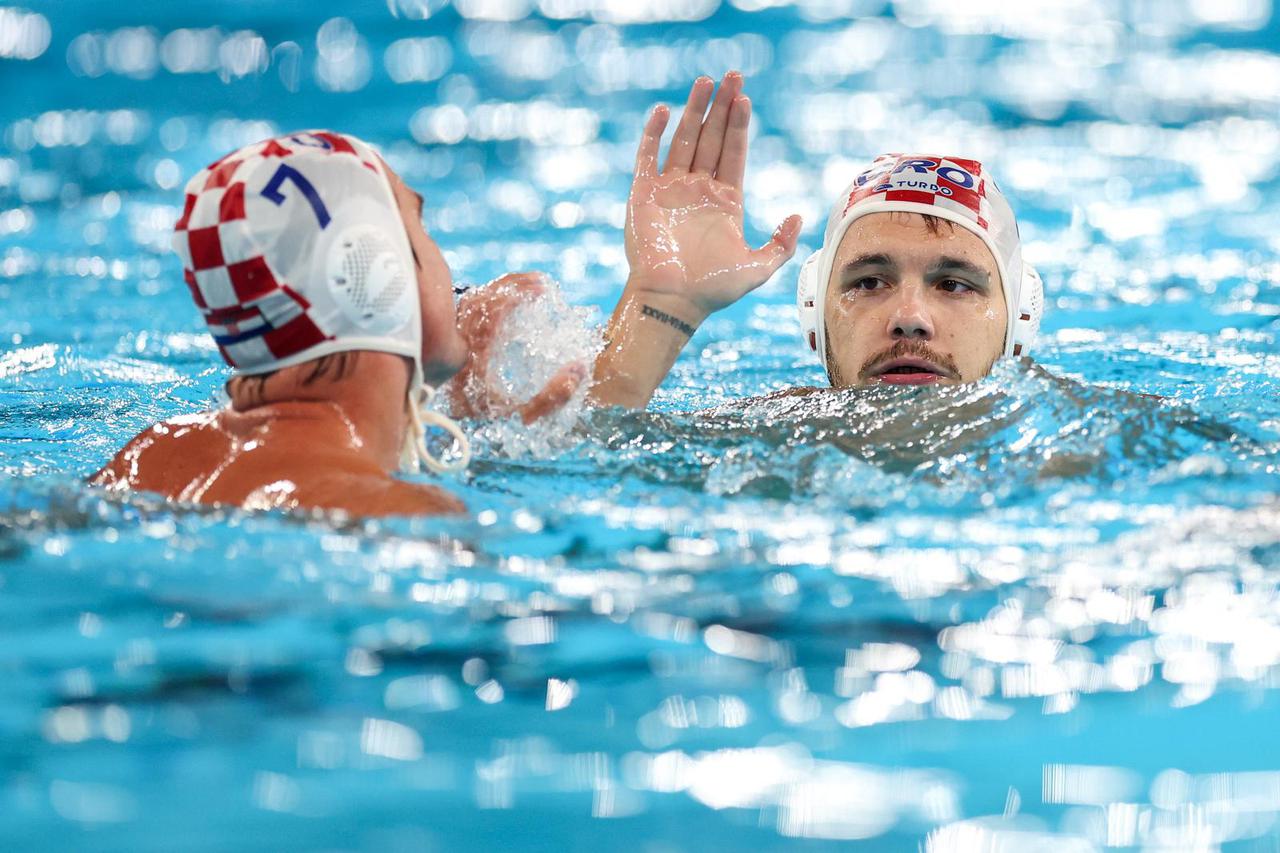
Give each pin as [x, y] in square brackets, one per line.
[365, 402]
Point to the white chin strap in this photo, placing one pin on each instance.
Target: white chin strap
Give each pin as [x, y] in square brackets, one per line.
[421, 416]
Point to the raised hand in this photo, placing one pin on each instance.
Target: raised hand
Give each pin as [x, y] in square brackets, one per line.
[481, 313]
[684, 241]
[684, 236]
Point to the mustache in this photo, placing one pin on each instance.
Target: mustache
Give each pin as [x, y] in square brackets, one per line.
[909, 349]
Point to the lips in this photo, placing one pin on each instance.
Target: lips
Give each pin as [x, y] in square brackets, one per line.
[909, 371]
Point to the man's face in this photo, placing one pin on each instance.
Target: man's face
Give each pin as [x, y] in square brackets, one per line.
[443, 349]
[910, 304]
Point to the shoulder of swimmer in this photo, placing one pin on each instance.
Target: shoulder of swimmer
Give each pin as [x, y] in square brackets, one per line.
[259, 461]
[744, 404]
[359, 495]
[169, 455]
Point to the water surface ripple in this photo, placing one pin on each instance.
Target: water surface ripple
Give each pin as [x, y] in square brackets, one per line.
[1040, 612]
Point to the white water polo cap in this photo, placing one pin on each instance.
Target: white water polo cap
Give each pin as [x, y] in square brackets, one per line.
[294, 248]
[957, 190]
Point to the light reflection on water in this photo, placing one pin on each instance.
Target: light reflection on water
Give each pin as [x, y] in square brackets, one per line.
[1037, 613]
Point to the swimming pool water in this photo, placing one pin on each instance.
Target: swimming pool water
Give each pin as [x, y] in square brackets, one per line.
[1036, 613]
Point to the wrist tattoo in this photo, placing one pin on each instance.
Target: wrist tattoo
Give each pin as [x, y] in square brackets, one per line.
[664, 317]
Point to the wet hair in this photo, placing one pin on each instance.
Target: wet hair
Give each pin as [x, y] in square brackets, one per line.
[934, 224]
[334, 367]
[339, 364]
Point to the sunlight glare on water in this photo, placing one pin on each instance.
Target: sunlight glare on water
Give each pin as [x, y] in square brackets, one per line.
[1039, 612]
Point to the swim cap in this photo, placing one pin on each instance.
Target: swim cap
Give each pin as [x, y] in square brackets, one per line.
[950, 188]
[294, 248]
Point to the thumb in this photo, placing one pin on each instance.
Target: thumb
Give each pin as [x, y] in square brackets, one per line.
[483, 310]
[780, 248]
[513, 286]
[459, 405]
[557, 392]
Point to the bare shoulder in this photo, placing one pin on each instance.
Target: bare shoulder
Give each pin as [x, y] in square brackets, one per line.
[747, 404]
[375, 495]
[801, 391]
[164, 454]
[227, 459]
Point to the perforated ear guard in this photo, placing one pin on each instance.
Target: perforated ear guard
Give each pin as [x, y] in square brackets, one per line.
[368, 280]
[807, 301]
[1030, 309]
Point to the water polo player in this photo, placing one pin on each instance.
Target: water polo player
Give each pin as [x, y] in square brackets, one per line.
[307, 257]
[920, 277]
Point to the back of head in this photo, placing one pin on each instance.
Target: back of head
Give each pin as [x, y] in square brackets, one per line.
[294, 248]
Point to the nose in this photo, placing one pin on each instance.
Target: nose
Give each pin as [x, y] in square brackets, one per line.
[909, 318]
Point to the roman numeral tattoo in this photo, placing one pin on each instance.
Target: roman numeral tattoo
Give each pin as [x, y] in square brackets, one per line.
[664, 317]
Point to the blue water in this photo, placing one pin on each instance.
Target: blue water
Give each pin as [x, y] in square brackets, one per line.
[1037, 613]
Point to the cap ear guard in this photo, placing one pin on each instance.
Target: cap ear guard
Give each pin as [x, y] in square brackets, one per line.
[368, 280]
[807, 300]
[1030, 309]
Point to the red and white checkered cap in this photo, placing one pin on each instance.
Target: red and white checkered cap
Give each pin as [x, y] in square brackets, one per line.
[951, 188]
[294, 248]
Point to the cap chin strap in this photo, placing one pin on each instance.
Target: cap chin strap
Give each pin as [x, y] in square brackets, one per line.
[421, 416]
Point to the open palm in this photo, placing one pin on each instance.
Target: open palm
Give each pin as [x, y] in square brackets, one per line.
[684, 236]
[684, 242]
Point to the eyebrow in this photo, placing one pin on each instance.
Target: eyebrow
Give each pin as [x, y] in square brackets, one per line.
[877, 260]
[947, 264]
[421, 201]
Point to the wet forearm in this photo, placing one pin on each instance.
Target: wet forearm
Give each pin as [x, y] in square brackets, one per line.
[645, 336]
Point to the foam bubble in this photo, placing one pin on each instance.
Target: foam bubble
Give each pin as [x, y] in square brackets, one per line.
[536, 340]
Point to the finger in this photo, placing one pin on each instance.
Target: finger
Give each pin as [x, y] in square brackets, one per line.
[711, 140]
[535, 282]
[685, 140]
[482, 310]
[556, 393]
[733, 156]
[650, 140]
[779, 249]
[480, 314]
[502, 290]
[455, 391]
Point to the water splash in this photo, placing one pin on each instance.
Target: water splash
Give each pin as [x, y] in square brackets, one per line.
[537, 339]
